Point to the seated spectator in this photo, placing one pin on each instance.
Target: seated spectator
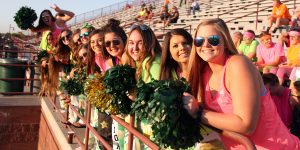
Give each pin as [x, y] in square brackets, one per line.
[281, 97]
[296, 21]
[149, 13]
[284, 39]
[142, 14]
[292, 56]
[174, 15]
[237, 38]
[248, 45]
[280, 16]
[269, 55]
[127, 6]
[164, 14]
[195, 6]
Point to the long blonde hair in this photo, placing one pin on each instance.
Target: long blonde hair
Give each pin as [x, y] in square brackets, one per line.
[197, 64]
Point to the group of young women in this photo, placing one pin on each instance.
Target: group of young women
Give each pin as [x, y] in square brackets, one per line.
[227, 90]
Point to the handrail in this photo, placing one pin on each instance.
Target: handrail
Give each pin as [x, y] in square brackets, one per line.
[101, 12]
[240, 8]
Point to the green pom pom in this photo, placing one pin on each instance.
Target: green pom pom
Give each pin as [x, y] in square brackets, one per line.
[42, 54]
[25, 17]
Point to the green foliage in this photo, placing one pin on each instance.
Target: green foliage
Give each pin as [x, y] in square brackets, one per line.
[72, 86]
[160, 103]
[25, 17]
[119, 80]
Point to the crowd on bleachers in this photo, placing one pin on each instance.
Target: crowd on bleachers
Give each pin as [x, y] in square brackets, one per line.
[239, 83]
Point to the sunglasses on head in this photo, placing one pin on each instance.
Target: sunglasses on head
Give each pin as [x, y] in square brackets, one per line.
[213, 40]
[142, 27]
[83, 55]
[113, 42]
[84, 34]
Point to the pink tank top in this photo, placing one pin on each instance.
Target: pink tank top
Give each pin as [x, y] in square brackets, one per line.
[102, 63]
[57, 31]
[270, 132]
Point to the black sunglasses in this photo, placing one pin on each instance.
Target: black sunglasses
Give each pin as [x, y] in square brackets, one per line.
[114, 42]
[84, 34]
[142, 27]
[83, 55]
[68, 36]
[213, 40]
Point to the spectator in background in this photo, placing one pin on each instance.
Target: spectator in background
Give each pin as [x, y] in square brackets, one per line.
[237, 38]
[142, 14]
[164, 14]
[248, 45]
[280, 16]
[282, 98]
[296, 21]
[269, 55]
[292, 56]
[195, 6]
[181, 2]
[174, 15]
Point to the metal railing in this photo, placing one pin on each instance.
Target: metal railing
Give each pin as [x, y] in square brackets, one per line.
[106, 11]
[16, 51]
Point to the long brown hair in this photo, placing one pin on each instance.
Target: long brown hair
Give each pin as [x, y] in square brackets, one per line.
[151, 48]
[197, 64]
[91, 54]
[167, 64]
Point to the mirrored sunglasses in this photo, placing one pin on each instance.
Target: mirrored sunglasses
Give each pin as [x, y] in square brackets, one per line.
[84, 34]
[213, 40]
[113, 42]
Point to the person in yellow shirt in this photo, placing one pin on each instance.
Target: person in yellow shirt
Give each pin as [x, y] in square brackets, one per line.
[293, 56]
[280, 16]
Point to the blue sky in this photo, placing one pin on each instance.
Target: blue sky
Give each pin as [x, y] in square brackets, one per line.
[10, 7]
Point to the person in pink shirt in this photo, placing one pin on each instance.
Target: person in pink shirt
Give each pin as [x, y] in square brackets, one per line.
[96, 54]
[269, 55]
[231, 92]
[282, 98]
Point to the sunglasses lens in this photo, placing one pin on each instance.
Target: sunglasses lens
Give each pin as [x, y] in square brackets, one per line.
[198, 41]
[213, 40]
[116, 42]
[107, 44]
[84, 34]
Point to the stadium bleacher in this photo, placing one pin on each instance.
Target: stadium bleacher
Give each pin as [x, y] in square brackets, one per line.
[240, 15]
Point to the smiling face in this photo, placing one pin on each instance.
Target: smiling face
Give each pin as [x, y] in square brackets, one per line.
[84, 35]
[179, 49]
[96, 43]
[46, 17]
[266, 41]
[135, 45]
[82, 54]
[208, 52]
[66, 37]
[114, 44]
